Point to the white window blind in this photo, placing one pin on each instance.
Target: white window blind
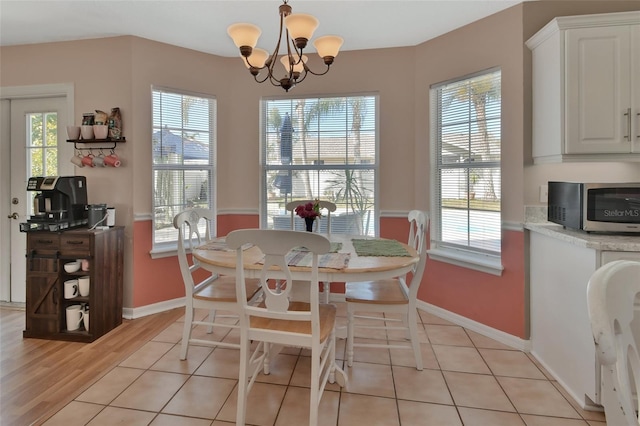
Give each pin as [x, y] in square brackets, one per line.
[321, 147]
[467, 142]
[183, 148]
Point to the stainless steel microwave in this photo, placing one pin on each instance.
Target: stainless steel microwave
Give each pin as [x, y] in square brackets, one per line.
[595, 207]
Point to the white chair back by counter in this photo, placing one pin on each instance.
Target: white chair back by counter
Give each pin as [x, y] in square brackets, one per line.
[613, 296]
[389, 297]
[212, 293]
[280, 321]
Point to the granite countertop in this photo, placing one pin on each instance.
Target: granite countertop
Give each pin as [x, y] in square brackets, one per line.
[596, 241]
[536, 221]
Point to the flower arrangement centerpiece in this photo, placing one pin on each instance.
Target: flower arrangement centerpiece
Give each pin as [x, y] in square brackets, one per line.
[309, 212]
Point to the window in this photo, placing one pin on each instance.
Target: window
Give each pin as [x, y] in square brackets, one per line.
[42, 147]
[322, 148]
[183, 147]
[466, 140]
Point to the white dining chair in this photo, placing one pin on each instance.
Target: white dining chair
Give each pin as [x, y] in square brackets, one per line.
[280, 321]
[326, 208]
[389, 298]
[613, 296]
[213, 292]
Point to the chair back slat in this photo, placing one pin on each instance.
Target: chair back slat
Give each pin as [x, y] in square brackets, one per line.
[418, 232]
[275, 276]
[194, 228]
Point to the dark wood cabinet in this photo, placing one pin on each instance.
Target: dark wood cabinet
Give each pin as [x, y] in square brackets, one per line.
[47, 253]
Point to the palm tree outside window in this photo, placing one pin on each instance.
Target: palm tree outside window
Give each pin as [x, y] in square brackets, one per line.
[321, 147]
[466, 173]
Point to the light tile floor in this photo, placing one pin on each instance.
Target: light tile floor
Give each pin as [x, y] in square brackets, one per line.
[468, 379]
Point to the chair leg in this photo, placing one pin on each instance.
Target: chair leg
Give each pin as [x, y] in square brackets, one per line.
[326, 288]
[314, 392]
[245, 351]
[350, 334]
[186, 332]
[413, 332]
[212, 319]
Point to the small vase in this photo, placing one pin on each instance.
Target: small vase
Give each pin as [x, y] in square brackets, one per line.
[309, 223]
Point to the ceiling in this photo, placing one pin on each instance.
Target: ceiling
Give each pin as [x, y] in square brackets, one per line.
[202, 25]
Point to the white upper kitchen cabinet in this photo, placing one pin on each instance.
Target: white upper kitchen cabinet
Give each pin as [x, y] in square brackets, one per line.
[586, 88]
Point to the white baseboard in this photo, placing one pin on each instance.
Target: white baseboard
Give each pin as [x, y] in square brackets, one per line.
[155, 308]
[500, 336]
[492, 333]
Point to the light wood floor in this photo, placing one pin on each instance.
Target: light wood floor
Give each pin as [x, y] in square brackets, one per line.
[38, 377]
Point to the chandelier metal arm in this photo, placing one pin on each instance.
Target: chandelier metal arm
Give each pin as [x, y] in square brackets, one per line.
[309, 70]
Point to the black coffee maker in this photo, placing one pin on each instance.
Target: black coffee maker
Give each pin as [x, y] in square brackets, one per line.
[61, 203]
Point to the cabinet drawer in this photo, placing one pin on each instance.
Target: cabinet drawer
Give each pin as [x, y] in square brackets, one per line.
[80, 244]
[43, 242]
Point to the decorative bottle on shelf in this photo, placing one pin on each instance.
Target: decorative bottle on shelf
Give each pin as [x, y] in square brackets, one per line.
[115, 124]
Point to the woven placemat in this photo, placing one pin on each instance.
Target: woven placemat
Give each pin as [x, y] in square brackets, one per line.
[329, 260]
[379, 248]
[220, 244]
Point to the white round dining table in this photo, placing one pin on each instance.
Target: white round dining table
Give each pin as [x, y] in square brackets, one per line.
[358, 268]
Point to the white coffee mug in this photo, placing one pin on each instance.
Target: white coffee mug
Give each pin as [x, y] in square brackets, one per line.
[70, 289]
[75, 315]
[83, 283]
[85, 318]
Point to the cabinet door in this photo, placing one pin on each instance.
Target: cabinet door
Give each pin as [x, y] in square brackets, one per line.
[43, 303]
[598, 90]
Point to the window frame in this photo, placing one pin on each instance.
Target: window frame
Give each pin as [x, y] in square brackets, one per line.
[266, 168]
[467, 257]
[169, 248]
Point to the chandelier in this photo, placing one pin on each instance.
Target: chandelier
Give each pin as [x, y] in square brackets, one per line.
[298, 29]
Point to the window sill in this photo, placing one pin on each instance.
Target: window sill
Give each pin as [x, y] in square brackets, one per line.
[483, 263]
[168, 250]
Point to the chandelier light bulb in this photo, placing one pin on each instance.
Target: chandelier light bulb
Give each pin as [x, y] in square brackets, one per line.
[298, 65]
[301, 27]
[257, 58]
[244, 35]
[328, 46]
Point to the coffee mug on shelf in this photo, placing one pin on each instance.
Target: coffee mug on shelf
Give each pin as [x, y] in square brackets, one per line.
[112, 160]
[98, 161]
[84, 264]
[85, 318]
[100, 131]
[70, 289]
[75, 315]
[73, 133]
[77, 160]
[86, 131]
[87, 160]
[83, 284]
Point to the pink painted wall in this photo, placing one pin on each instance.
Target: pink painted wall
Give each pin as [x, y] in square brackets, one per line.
[496, 301]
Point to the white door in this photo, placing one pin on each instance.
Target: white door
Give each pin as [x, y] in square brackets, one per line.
[37, 147]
